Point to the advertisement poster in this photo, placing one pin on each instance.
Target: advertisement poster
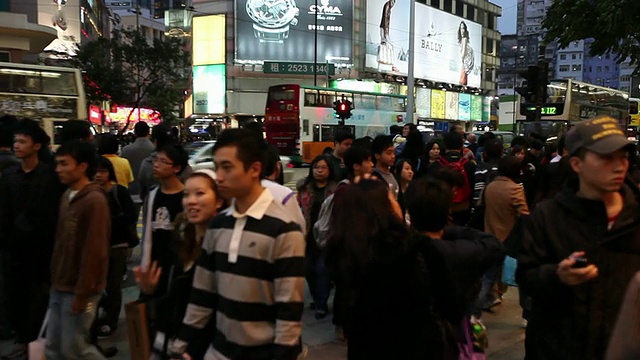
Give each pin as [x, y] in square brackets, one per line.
[387, 30]
[209, 40]
[209, 89]
[464, 111]
[438, 99]
[447, 48]
[285, 30]
[486, 109]
[423, 103]
[451, 107]
[476, 108]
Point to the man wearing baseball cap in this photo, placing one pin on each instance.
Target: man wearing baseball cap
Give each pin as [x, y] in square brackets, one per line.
[581, 248]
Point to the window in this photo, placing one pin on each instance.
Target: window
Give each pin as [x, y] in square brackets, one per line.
[599, 69]
[489, 45]
[606, 56]
[563, 57]
[625, 78]
[491, 24]
[606, 68]
[573, 56]
[5, 56]
[448, 6]
[580, 56]
[459, 8]
[590, 69]
[563, 68]
[435, 4]
[576, 67]
[471, 13]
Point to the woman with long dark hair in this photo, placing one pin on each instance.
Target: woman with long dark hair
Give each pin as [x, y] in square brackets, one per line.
[202, 202]
[403, 171]
[312, 191]
[386, 297]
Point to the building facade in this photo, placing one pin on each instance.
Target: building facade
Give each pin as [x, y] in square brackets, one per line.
[570, 61]
[349, 36]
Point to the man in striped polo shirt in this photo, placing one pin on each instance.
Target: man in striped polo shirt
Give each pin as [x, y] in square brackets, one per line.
[250, 276]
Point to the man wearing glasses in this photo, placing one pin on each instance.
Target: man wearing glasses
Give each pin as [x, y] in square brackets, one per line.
[161, 207]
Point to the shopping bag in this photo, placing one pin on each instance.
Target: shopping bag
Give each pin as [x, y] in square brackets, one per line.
[509, 271]
[139, 345]
[385, 54]
[36, 347]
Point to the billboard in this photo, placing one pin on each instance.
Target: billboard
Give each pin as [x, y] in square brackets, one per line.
[447, 48]
[451, 106]
[387, 43]
[476, 108]
[209, 40]
[285, 30]
[209, 89]
[438, 99]
[464, 111]
[423, 102]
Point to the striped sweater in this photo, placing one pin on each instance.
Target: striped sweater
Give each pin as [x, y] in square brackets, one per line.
[250, 279]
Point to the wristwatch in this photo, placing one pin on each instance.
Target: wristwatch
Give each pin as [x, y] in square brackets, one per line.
[272, 19]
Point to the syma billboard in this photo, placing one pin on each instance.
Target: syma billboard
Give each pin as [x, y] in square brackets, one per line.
[285, 30]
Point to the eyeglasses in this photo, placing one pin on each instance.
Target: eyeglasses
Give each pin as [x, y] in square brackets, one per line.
[163, 161]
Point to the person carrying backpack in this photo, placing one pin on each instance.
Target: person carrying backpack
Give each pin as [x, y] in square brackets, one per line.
[453, 159]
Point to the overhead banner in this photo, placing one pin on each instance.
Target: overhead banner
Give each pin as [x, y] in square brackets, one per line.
[423, 103]
[447, 48]
[451, 108]
[286, 29]
[209, 40]
[438, 99]
[464, 110]
[387, 28]
[209, 89]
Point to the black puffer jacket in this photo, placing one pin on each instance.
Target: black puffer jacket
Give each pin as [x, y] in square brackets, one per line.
[576, 322]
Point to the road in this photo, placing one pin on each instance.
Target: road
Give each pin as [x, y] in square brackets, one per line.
[506, 337]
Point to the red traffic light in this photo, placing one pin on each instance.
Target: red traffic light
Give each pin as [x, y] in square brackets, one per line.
[343, 106]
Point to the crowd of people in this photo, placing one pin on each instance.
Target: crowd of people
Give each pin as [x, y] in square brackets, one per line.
[411, 238]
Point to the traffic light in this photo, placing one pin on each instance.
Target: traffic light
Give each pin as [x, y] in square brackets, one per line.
[529, 92]
[537, 81]
[343, 109]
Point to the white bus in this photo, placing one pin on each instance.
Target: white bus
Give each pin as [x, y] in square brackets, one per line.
[51, 95]
[300, 120]
[572, 101]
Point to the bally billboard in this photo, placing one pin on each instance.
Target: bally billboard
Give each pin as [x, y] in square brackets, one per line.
[447, 48]
[285, 30]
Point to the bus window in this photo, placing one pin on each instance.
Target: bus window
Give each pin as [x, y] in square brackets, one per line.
[281, 95]
[633, 107]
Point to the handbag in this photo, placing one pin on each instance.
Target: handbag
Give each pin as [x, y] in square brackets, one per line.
[136, 314]
[131, 231]
[509, 271]
[36, 347]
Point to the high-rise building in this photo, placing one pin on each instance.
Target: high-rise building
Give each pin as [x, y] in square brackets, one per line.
[570, 61]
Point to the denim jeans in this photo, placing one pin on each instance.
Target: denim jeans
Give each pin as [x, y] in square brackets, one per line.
[487, 294]
[318, 279]
[68, 333]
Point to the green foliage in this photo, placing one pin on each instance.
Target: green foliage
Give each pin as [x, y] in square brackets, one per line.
[129, 70]
[613, 24]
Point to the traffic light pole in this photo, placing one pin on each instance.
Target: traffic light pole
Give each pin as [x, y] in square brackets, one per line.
[541, 88]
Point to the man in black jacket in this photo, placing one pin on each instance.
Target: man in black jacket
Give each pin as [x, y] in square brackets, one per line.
[593, 219]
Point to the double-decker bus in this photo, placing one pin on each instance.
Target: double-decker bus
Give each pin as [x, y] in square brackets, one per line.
[48, 94]
[572, 101]
[301, 122]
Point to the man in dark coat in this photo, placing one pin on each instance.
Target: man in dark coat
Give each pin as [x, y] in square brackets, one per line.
[593, 219]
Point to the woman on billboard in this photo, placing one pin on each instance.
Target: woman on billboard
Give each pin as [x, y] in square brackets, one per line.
[385, 51]
[466, 53]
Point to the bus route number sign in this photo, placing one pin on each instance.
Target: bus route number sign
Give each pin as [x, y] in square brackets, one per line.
[280, 67]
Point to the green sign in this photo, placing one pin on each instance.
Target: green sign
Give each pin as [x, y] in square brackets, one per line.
[545, 110]
[282, 67]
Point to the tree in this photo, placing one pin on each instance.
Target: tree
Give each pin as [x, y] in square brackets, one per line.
[129, 70]
[613, 24]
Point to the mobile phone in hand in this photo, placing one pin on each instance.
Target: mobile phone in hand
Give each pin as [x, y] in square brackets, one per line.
[580, 263]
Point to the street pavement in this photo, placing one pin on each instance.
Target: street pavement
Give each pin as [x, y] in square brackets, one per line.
[506, 336]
